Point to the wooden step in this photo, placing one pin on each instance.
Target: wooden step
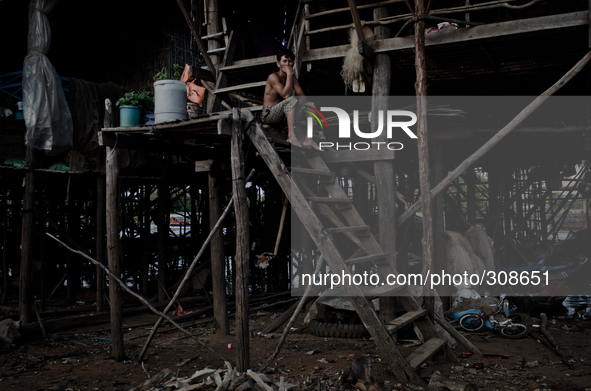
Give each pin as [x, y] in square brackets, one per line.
[329, 200]
[250, 62]
[310, 171]
[241, 87]
[360, 230]
[368, 258]
[425, 352]
[394, 325]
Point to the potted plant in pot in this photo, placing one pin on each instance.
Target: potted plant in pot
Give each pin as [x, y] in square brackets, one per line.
[170, 96]
[131, 106]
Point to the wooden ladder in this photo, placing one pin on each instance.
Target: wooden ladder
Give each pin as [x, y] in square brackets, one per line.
[305, 203]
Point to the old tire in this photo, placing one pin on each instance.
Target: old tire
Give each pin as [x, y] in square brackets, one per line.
[514, 331]
[472, 322]
[336, 330]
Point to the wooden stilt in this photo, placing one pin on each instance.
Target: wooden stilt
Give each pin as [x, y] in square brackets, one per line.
[4, 243]
[470, 179]
[423, 150]
[499, 136]
[438, 223]
[113, 252]
[384, 170]
[100, 240]
[25, 288]
[242, 248]
[218, 262]
[146, 234]
[163, 227]
[213, 26]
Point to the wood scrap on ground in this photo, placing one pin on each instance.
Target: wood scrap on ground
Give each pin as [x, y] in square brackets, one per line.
[208, 379]
[438, 382]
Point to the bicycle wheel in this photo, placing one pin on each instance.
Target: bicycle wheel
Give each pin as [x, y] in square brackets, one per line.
[514, 331]
[471, 322]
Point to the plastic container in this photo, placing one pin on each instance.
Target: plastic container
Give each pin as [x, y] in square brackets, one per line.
[170, 101]
[129, 116]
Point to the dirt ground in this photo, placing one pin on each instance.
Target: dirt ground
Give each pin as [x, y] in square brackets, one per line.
[79, 359]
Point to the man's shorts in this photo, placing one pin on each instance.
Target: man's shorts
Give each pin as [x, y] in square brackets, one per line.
[277, 114]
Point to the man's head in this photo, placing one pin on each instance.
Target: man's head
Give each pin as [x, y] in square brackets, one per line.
[285, 52]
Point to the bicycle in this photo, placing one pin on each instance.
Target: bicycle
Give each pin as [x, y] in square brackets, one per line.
[509, 328]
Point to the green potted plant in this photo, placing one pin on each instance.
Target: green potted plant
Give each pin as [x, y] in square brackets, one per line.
[170, 96]
[131, 106]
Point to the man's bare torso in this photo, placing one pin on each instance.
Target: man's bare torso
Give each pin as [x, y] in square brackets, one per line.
[271, 96]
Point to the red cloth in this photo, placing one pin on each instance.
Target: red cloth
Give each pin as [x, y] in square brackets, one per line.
[195, 93]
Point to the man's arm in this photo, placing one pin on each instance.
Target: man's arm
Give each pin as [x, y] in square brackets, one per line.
[299, 92]
[283, 90]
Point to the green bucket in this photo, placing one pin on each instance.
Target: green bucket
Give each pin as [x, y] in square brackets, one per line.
[129, 116]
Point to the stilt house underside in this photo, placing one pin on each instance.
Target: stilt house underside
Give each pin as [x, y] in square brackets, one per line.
[500, 49]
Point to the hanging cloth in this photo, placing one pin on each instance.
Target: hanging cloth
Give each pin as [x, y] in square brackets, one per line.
[46, 112]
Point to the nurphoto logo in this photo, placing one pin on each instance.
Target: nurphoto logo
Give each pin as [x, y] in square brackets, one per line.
[394, 119]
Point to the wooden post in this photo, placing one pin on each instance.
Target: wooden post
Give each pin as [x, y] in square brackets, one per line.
[4, 212]
[423, 150]
[113, 253]
[163, 227]
[100, 240]
[470, 179]
[218, 263]
[25, 288]
[146, 235]
[384, 170]
[493, 196]
[242, 249]
[438, 173]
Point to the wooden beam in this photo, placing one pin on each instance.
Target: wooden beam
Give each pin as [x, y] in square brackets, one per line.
[100, 240]
[349, 156]
[114, 252]
[363, 6]
[500, 135]
[366, 51]
[250, 62]
[240, 87]
[356, 20]
[423, 153]
[25, 297]
[300, 42]
[197, 37]
[495, 30]
[384, 170]
[218, 262]
[242, 247]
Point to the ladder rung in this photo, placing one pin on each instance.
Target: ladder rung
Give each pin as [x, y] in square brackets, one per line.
[398, 323]
[329, 200]
[367, 258]
[425, 352]
[218, 50]
[361, 229]
[310, 171]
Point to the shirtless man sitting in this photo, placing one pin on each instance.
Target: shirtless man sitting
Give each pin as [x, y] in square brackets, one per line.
[279, 102]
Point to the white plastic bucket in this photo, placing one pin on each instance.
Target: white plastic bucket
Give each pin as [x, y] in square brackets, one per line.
[170, 101]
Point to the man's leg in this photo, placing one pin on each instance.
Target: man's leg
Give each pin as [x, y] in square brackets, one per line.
[291, 137]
